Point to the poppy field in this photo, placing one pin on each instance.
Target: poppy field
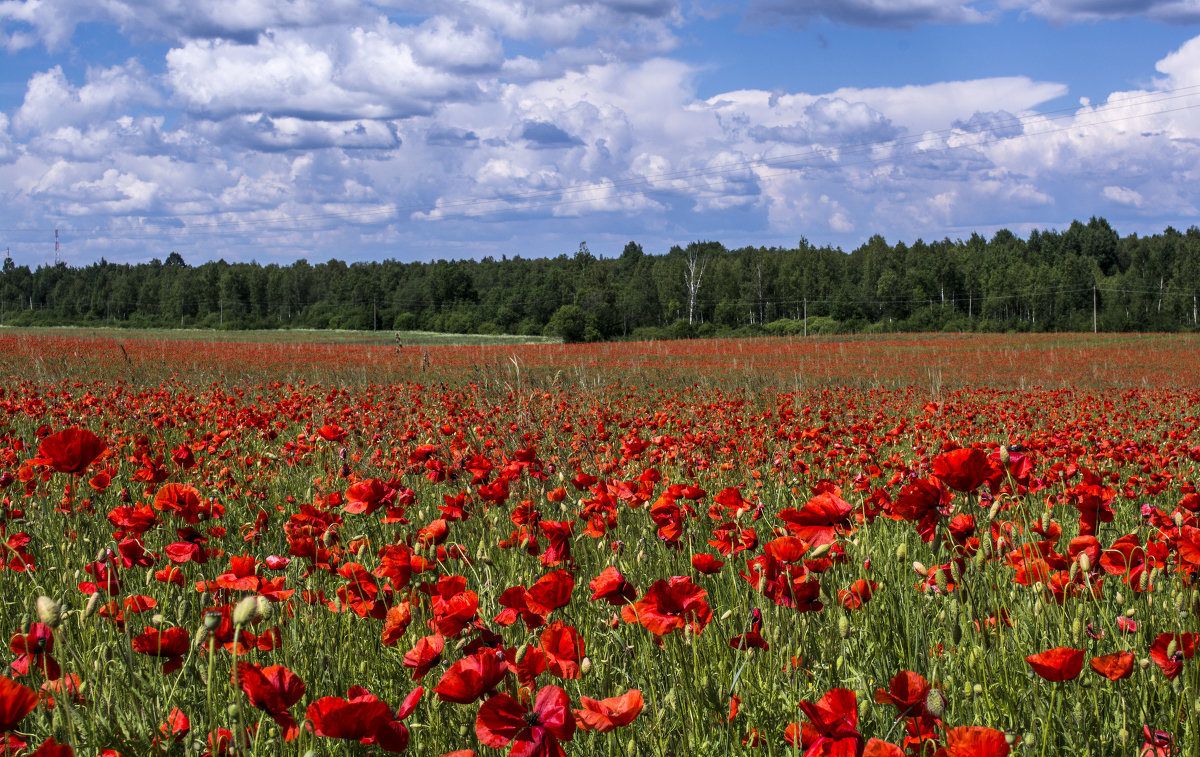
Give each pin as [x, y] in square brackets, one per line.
[951, 545]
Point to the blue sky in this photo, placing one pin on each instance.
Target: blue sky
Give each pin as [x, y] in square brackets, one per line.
[415, 130]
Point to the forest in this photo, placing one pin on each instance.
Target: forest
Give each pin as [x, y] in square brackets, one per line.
[1079, 279]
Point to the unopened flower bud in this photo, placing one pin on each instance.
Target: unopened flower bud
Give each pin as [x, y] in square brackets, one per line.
[212, 620]
[1085, 562]
[265, 609]
[935, 703]
[92, 605]
[49, 611]
[246, 611]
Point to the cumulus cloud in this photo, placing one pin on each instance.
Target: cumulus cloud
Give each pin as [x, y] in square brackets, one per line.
[830, 119]
[999, 124]
[261, 132]
[353, 73]
[1123, 196]
[24, 23]
[51, 101]
[903, 14]
[1179, 12]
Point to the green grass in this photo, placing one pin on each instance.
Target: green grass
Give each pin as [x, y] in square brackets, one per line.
[287, 336]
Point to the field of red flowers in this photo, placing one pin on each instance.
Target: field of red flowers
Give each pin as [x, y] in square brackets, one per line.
[924, 545]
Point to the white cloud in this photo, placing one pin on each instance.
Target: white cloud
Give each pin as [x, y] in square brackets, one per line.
[53, 22]
[1182, 12]
[352, 73]
[1123, 196]
[873, 13]
[51, 101]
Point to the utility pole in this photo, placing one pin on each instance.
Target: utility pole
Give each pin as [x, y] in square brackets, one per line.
[1093, 307]
[806, 316]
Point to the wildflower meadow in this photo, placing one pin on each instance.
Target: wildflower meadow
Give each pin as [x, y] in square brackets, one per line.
[950, 545]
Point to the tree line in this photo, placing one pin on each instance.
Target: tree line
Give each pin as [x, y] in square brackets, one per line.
[1081, 278]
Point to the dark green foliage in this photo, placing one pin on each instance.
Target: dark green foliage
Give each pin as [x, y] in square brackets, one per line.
[1048, 282]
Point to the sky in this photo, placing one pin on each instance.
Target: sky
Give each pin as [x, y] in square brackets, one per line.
[273, 130]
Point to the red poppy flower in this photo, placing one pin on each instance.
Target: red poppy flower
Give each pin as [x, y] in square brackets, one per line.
[273, 689]
[832, 726]
[16, 701]
[35, 647]
[332, 432]
[502, 720]
[606, 714]
[51, 748]
[1058, 664]
[1155, 743]
[612, 587]
[362, 717]
[71, 450]
[751, 639]
[365, 497]
[881, 748]
[669, 605]
[907, 691]
[963, 470]
[426, 653]
[472, 677]
[181, 499]
[170, 643]
[974, 741]
[859, 592]
[396, 622]
[550, 592]
[1185, 649]
[707, 564]
[564, 650]
[1114, 666]
[817, 522]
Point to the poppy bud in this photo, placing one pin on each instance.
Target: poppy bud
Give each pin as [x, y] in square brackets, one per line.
[233, 710]
[245, 612]
[157, 619]
[977, 689]
[902, 553]
[199, 637]
[1172, 648]
[1123, 736]
[1005, 457]
[49, 611]
[1085, 562]
[843, 626]
[956, 633]
[1178, 519]
[935, 703]
[92, 604]
[212, 620]
[816, 553]
[919, 567]
[265, 609]
[585, 666]
[184, 609]
[1144, 663]
[725, 615]
[1030, 739]
[939, 578]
